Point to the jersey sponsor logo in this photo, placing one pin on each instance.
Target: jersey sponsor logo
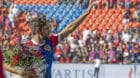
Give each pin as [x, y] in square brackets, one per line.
[47, 47]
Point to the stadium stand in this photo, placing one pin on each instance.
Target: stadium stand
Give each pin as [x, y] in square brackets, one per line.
[102, 20]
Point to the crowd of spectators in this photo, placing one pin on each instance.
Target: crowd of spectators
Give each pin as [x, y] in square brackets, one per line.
[119, 48]
[6, 3]
[79, 47]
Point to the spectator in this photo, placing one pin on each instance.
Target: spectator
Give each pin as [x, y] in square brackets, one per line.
[54, 25]
[66, 48]
[12, 18]
[84, 60]
[4, 17]
[92, 54]
[101, 52]
[119, 54]
[137, 15]
[126, 36]
[61, 59]
[135, 36]
[101, 41]
[96, 3]
[68, 59]
[94, 33]
[132, 56]
[79, 2]
[81, 42]
[114, 3]
[77, 57]
[126, 60]
[127, 17]
[9, 27]
[138, 57]
[112, 54]
[24, 38]
[58, 51]
[73, 48]
[85, 3]
[97, 66]
[121, 3]
[107, 4]
[34, 14]
[116, 39]
[70, 39]
[28, 17]
[127, 4]
[15, 11]
[109, 37]
[86, 35]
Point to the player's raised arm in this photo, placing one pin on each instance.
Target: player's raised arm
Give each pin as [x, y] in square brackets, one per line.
[72, 26]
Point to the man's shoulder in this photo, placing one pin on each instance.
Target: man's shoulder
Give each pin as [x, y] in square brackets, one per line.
[53, 35]
[54, 39]
[30, 43]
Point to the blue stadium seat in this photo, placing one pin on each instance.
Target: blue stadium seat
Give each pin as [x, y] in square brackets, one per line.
[44, 7]
[37, 7]
[31, 7]
[60, 27]
[57, 5]
[63, 13]
[71, 13]
[83, 10]
[85, 4]
[40, 11]
[25, 7]
[54, 16]
[75, 6]
[70, 20]
[66, 20]
[49, 15]
[63, 6]
[45, 12]
[59, 19]
[73, 18]
[67, 9]
[19, 6]
[69, 5]
[51, 11]
[60, 10]
[57, 14]
[48, 9]
[77, 14]
[55, 8]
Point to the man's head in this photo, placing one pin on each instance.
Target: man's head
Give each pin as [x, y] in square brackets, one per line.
[40, 26]
[46, 31]
[35, 26]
